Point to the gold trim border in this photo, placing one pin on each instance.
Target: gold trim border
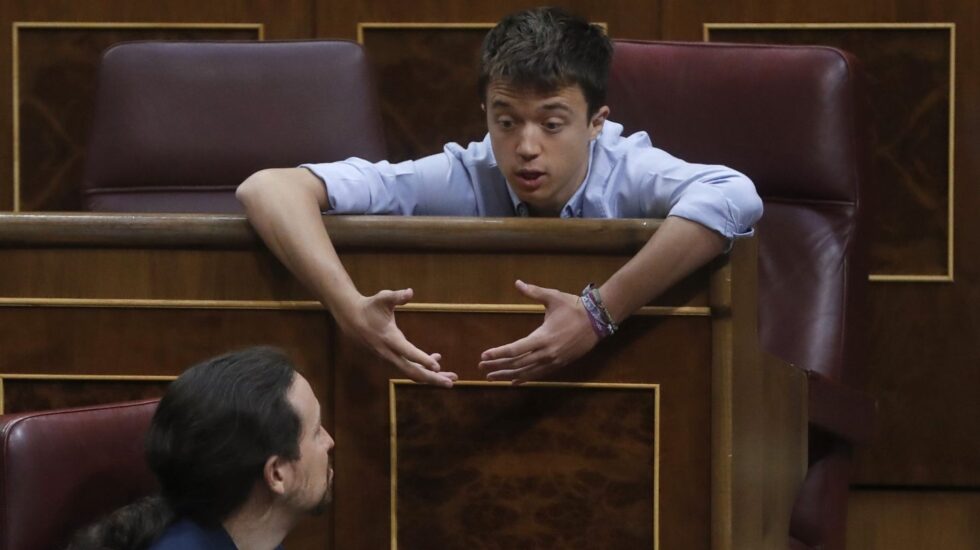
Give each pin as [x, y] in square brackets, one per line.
[418, 307]
[393, 437]
[80, 378]
[377, 25]
[949, 276]
[16, 27]
[372, 25]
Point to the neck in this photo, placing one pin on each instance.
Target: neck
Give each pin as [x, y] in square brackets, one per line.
[554, 209]
[258, 526]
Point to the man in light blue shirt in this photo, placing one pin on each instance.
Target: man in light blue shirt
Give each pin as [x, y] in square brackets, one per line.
[549, 151]
[626, 178]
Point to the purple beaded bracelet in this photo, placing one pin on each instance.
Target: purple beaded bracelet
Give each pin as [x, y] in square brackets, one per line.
[602, 322]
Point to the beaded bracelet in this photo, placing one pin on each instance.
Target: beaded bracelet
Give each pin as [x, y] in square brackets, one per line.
[602, 322]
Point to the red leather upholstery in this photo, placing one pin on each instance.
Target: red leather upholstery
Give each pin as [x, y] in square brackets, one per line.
[178, 125]
[795, 120]
[61, 470]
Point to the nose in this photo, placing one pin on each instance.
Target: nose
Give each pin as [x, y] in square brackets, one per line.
[528, 144]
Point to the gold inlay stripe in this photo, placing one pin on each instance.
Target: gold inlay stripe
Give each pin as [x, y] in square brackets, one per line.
[393, 437]
[368, 25]
[911, 278]
[857, 26]
[949, 276]
[136, 25]
[158, 304]
[417, 307]
[90, 377]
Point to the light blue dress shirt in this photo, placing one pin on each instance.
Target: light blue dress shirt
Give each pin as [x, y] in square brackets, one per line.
[627, 178]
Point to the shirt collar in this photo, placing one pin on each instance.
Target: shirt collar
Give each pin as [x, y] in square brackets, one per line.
[572, 208]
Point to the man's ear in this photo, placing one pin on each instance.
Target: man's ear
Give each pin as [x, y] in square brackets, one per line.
[483, 107]
[598, 119]
[278, 474]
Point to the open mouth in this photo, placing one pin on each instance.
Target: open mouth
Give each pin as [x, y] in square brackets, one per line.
[530, 178]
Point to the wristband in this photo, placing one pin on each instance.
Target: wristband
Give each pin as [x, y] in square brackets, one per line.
[599, 317]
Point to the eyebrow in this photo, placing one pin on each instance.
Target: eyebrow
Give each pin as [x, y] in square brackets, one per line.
[556, 106]
[553, 106]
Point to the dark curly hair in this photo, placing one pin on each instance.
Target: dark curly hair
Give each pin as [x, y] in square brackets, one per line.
[546, 49]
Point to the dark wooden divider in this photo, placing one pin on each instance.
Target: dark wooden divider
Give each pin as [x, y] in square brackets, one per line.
[676, 433]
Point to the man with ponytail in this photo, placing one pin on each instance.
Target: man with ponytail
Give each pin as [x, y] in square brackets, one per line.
[240, 454]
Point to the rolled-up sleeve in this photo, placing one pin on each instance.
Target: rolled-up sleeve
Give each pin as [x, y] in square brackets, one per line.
[722, 200]
[717, 197]
[426, 186]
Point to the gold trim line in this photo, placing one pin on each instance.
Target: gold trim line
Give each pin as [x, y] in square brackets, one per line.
[361, 26]
[856, 26]
[910, 278]
[656, 469]
[484, 383]
[91, 377]
[419, 307]
[393, 455]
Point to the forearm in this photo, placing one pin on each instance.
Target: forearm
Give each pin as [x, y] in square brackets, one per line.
[679, 247]
[284, 207]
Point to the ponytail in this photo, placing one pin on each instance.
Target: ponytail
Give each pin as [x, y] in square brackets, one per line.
[132, 527]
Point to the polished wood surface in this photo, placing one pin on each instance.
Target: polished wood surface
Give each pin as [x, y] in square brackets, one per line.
[348, 232]
[102, 295]
[550, 466]
[178, 260]
[906, 520]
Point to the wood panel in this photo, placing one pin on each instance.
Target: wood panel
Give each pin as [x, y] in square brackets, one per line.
[587, 459]
[913, 520]
[36, 394]
[54, 145]
[716, 436]
[625, 18]
[461, 338]
[431, 62]
[182, 265]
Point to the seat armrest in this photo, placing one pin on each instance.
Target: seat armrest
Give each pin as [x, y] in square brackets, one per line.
[839, 409]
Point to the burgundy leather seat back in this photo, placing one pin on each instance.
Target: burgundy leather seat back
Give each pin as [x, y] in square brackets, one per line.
[61, 470]
[793, 119]
[178, 125]
[796, 120]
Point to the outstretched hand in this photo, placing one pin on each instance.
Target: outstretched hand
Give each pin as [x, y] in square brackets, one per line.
[565, 335]
[371, 321]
